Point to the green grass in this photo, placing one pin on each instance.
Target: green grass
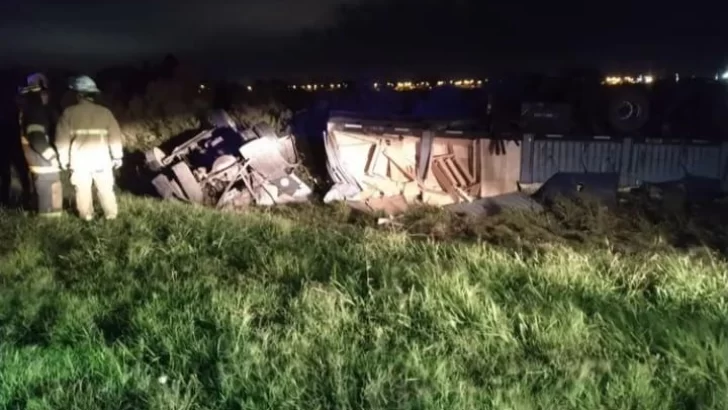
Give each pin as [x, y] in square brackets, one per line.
[173, 307]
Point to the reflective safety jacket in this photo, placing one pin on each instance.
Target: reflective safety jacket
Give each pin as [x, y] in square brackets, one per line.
[36, 122]
[88, 137]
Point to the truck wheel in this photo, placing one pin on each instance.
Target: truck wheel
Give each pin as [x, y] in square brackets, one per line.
[153, 159]
[265, 130]
[167, 188]
[629, 111]
[187, 181]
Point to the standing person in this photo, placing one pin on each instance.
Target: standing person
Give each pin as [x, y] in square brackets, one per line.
[11, 153]
[89, 144]
[37, 121]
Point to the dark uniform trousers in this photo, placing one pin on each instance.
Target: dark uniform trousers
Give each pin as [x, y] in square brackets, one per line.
[12, 159]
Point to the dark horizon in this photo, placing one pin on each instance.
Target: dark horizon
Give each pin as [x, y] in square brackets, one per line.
[352, 38]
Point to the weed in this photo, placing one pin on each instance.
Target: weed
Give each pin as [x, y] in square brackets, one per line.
[173, 306]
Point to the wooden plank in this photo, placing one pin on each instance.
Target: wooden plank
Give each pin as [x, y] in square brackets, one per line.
[501, 171]
[455, 172]
[451, 173]
[474, 157]
[380, 163]
[436, 198]
[384, 185]
[463, 170]
[411, 191]
[396, 173]
[442, 156]
[341, 138]
[409, 173]
[464, 195]
[372, 160]
[401, 158]
[483, 154]
[399, 165]
[444, 181]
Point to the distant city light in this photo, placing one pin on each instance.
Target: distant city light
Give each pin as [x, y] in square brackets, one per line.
[640, 79]
[402, 85]
[613, 80]
[724, 76]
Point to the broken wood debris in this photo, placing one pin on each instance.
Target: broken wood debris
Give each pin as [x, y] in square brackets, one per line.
[227, 168]
[396, 165]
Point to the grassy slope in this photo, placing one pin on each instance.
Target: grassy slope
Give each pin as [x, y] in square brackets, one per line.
[173, 307]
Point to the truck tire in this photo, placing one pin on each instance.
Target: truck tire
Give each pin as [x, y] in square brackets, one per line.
[153, 158]
[265, 130]
[187, 181]
[629, 111]
[167, 188]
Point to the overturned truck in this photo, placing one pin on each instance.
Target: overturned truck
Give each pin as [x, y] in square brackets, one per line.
[228, 168]
[390, 164]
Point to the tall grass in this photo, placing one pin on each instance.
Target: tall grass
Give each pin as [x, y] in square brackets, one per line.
[173, 307]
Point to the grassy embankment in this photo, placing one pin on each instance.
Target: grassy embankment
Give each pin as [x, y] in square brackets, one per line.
[172, 307]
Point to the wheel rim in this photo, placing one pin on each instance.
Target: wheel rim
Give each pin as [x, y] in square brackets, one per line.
[625, 110]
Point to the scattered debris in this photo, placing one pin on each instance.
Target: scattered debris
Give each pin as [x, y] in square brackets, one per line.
[383, 165]
[697, 188]
[227, 168]
[599, 186]
[517, 201]
[681, 194]
[391, 221]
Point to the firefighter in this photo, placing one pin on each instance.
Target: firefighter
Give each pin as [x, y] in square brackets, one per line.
[89, 144]
[37, 126]
[12, 156]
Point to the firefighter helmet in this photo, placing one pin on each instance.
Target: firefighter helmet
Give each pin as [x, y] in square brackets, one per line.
[84, 84]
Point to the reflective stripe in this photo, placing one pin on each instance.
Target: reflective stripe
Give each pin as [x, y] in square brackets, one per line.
[51, 214]
[35, 128]
[91, 131]
[30, 89]
[48, 154]
[43, 169]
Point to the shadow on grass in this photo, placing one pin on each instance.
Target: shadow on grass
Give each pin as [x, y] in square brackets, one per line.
[116, 324]
[134, 177]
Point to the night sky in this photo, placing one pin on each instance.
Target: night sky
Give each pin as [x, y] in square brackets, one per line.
[352, 37]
